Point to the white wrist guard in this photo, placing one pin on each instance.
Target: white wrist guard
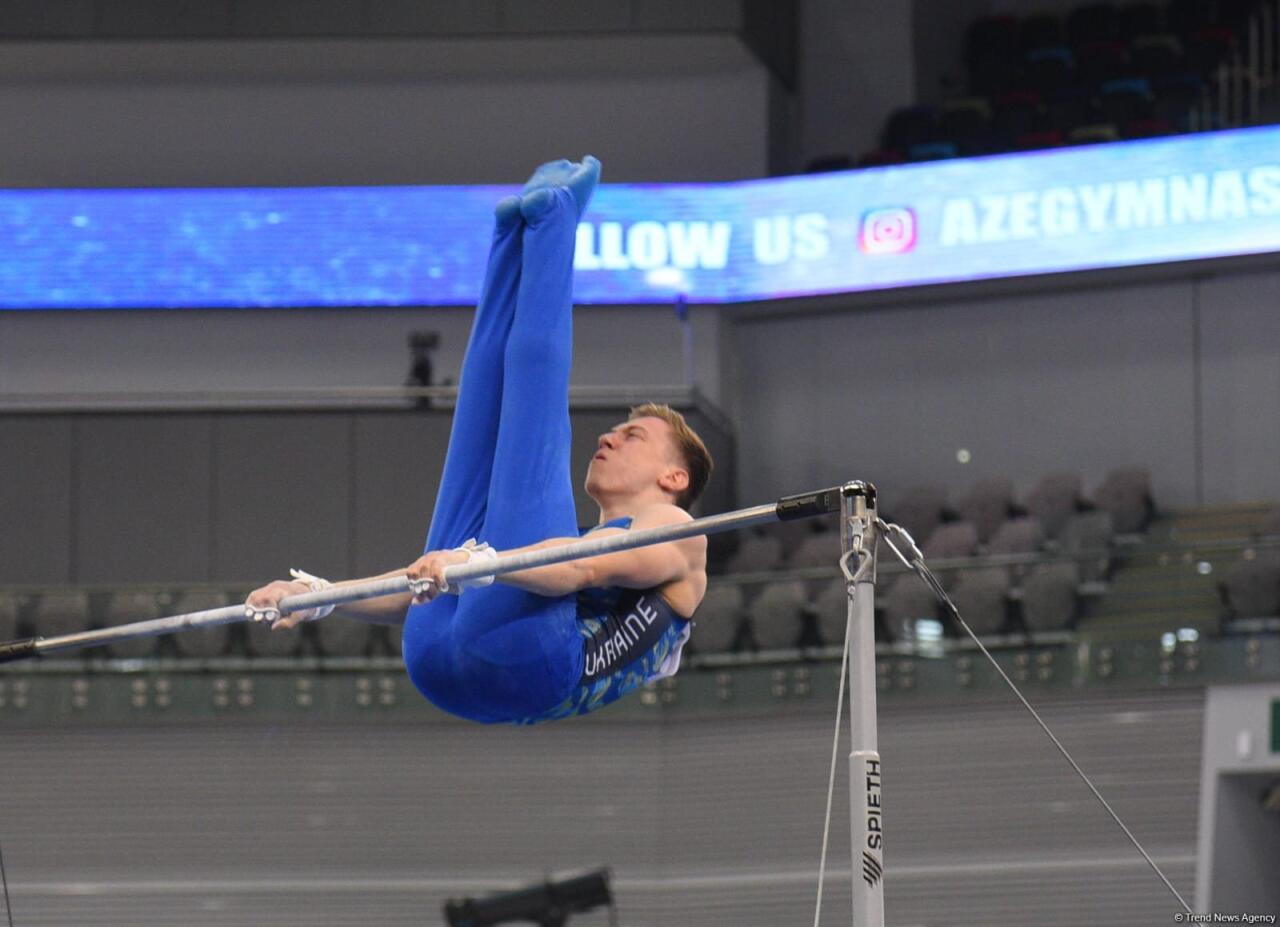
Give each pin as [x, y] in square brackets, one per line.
[474, 551]
[316, 584]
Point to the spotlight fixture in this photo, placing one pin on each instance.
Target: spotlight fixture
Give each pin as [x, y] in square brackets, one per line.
[421, 372]
[548, 904]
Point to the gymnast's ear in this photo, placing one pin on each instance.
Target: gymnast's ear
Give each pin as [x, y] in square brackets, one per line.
[674, 480]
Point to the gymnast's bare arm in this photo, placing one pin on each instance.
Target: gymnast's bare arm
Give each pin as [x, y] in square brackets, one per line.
[387, 609]
[678, 567]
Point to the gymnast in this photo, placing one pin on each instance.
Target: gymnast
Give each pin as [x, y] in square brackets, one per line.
[554, 641]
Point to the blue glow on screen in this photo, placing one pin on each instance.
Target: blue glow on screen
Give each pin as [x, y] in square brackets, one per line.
[1173, 199]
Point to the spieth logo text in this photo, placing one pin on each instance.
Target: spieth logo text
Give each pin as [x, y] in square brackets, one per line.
[888, 231]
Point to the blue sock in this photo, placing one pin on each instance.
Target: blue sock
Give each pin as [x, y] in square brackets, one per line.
[579, 178]
[506, 212]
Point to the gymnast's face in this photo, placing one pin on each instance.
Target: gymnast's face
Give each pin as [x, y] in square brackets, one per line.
[632, 457]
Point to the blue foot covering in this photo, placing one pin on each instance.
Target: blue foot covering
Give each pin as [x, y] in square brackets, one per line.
[506, 214]
[580, 179]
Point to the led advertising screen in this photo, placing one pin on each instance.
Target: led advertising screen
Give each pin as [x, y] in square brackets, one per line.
[1170, 199]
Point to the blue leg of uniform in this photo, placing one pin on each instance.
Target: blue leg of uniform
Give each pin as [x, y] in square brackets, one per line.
[464, 484]
[504, 653]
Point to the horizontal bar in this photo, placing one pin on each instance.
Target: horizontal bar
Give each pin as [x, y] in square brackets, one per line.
[808, 504]
[352, 592]
[17, 650]
[444, 397]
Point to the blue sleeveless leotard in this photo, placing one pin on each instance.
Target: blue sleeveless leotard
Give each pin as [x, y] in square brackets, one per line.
[629, 637]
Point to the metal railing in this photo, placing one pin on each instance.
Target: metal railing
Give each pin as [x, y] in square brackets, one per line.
[1178, 558]
[1244, 90]
[327, 397]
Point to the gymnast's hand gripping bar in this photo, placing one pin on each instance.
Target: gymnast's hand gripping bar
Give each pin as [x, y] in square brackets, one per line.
[804, 505]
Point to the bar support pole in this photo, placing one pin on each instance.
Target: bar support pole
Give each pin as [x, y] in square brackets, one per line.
[858, 542]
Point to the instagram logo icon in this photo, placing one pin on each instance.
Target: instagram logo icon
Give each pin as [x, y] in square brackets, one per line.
[888, 231]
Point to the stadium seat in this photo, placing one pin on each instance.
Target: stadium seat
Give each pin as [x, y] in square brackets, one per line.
[792, 535]
[1017, 536]
[987, 506]
[1097, 134]
[127, 607]
[817, 550]
[1099, 62]
[1207, 48]
[991, 53]
[756, 554]
[775, 615]
[1135, 19]
[881, 157]
[951, 540]
[59, 613]
[1135, 478]
[995, 75]
[1126, 494]
[828, 163]
[1049, 71]
[719, 619]
[967, 122]
[1069, 484]
[1050, 601]
[1235, 14]
[1070, 108]
[933, 151]
[264, 642]
[1187, 16]
[1157, 55]
[1241, 80]
[1126, 100]
[1093, 22]
[388, 637]
[201, 642]
[1053, 500]
[720, 548]
[1016, 113]
[905, 604]
[919, 510]
[1040, 30]
[981, 595]
[831, 606]
[1176, 96]
[910, 125]
[1048, 138]
[1251, 588]
[10, 610]
[1148, 128]
[1087, 537]
[343, 637]
[991, 37]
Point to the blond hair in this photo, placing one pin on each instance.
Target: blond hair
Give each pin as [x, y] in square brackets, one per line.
[694, 455]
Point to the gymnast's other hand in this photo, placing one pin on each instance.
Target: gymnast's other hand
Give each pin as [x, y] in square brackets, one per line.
[430, 567]
[264, 604]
